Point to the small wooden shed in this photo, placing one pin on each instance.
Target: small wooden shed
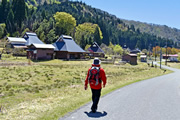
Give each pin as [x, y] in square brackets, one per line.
[131, 58]
[40, 51]
[143, 58]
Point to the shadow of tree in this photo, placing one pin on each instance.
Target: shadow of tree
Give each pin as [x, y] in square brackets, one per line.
[96, 115]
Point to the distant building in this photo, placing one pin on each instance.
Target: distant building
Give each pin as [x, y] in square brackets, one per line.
[95, 50]
[135, 51]
[66, 48]
[40, 51]
[28, 39]
[14, 42]
[143, 58]
[173, 58]
[31, 38]
[130, 58]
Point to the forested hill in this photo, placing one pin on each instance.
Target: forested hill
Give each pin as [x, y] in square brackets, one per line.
[159, 30]
[40, 19]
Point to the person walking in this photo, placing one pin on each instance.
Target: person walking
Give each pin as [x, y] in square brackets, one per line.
[95, 77]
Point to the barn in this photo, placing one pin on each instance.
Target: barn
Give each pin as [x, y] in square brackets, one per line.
[40, 51]
[131, 58]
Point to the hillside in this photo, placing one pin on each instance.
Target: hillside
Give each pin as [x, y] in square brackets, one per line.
[40, 19]
[154, 29]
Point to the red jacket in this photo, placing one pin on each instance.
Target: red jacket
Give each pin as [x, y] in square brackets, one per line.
[102, 77]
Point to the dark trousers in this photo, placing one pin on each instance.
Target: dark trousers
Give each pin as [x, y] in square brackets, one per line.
[95, 98]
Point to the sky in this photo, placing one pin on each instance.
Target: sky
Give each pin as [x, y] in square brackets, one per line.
[161, 12]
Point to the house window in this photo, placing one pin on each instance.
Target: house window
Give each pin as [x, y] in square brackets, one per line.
[94, 45]
[61, 40]
[25, 37]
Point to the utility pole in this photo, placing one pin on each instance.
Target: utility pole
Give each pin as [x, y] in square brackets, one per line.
[160, 58]
[155, 53]
[149, 51]
[166, 53]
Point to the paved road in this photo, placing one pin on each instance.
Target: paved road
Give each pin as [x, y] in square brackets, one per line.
[153, 99]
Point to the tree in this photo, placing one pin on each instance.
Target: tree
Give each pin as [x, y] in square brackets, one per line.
[118, 49]
[97, 37]
[10, 22]
[174, 51]
[111, 45]
[65, 23]
[156, 50]
[88, 33]
[178, 56]
[19, 8]
[138, 44]
[1, 13]
[2, 28]
[51, 36]
[4, 10]
[132, 28]
[169, 50]
[145, 51]
[26, 30]
[43, 14]
[87, 46]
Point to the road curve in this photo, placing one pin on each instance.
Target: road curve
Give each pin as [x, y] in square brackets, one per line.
[153, 99]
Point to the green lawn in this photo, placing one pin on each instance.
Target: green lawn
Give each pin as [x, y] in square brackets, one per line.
[48, 90]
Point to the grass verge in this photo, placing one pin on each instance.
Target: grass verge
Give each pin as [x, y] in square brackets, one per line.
[50, 89]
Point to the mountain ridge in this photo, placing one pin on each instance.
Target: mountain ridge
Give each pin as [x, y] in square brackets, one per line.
[155, 29]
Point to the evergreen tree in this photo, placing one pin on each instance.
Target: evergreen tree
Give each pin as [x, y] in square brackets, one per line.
[4, 10]
[10, 22]
[97, 37]
[1, 14]
[19, 8]
[43, 14]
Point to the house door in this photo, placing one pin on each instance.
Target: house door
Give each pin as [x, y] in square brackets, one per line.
[72, 56]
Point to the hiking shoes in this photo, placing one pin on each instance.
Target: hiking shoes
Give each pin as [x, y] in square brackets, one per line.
[93, 110]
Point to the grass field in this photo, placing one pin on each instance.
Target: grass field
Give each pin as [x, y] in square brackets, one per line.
[173, 64]
[50, 89]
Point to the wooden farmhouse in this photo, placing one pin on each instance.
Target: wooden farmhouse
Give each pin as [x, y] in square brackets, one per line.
[96, 51]
[130, 58]
[40, 51]
[66, 48]
[28, 39]
[37, 50]
[31, 38]
[13, 42]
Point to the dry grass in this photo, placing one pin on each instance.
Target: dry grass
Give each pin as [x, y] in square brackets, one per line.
[173, 64]
[47, 90]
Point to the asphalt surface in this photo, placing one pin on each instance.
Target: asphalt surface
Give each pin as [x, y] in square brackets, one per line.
[153, 99]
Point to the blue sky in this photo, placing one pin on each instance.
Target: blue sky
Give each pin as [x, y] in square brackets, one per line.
[162, 12]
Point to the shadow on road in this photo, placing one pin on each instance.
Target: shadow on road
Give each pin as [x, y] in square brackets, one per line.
[96, 115]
